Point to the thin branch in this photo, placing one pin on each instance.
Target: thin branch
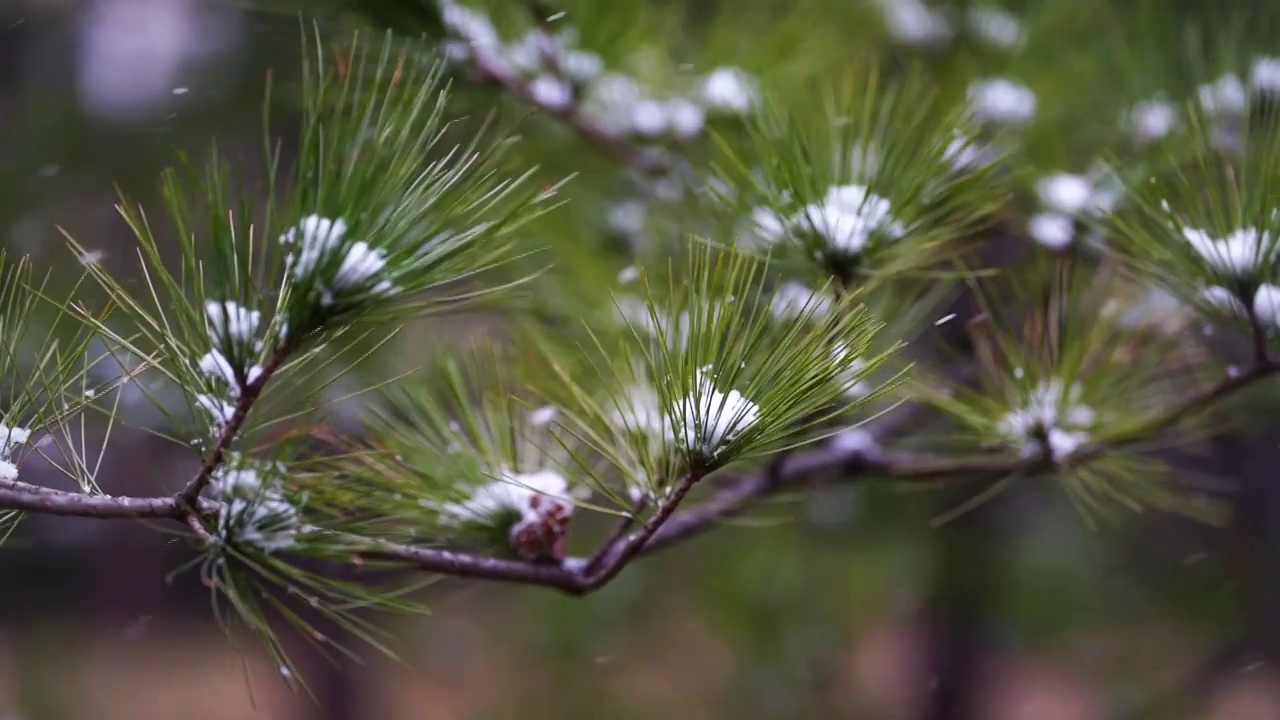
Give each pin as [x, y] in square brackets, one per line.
[1184, 410]
[726, 504]
[853, 464]
[27, 487]
[616, 146]
[856, 463]
[1259, 333]
[468, 565]
[197, 526]
[616, 536]
[666, 526]
[623, 552]
[103, 507]
[850, 459]
[190, 495]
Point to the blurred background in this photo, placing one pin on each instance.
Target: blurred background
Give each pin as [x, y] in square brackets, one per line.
[849, 602]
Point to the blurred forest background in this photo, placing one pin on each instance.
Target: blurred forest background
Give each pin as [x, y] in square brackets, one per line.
[846, 602]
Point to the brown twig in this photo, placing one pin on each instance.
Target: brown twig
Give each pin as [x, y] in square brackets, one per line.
[665, 526]
[619, 532]
[621, 553]
[197, 526]
[13, 496]
[793, 469]
[615, 146]
[190, 495]
[1184, 410]
[469, 565]
[1260, 356]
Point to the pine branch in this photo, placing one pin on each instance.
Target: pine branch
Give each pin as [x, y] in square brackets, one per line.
[666, 526]
[16, 495]
[252, 391]
[795, 469]
[624, 551]
[619, 533]
[470, 565]
[616, 146]
[1229, 385]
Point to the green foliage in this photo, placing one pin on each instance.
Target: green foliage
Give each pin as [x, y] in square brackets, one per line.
[1061, 377]
[705, 374]
[829, 221]
[378, 152]
[435, 446]
[887, 132]
[273, 295]
[1206, 218]
[42, 365]
[686, 388]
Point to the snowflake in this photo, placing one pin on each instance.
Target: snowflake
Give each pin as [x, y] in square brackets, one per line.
[649, 117]
[543, 416]
[245, 478]
[686, 118]
[997, 27]
[470, 25]
[639, 409]
[1052, 230]
[11, 438]
[766, 226]
[1223, 300]
[852, 370]
[218, 409]
[609, 100]
[316, 237]
[965, 155]
[581, 65]
[318, 240]
[216, 365]
[1065, 193]
[913, 23]
[539, 501]
[1266, 305]
[361, 263]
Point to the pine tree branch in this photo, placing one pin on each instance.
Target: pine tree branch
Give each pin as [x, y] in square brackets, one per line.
[574, 576]
[470, 565]
[789, 471]
[624, 524]
[616, 146]
[1183, 411]
[31, 498]
[189, 495]
[1259, 333]
[621, 553]
[197, 526]
[858, 463]
[666, 526]
[851, 464]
